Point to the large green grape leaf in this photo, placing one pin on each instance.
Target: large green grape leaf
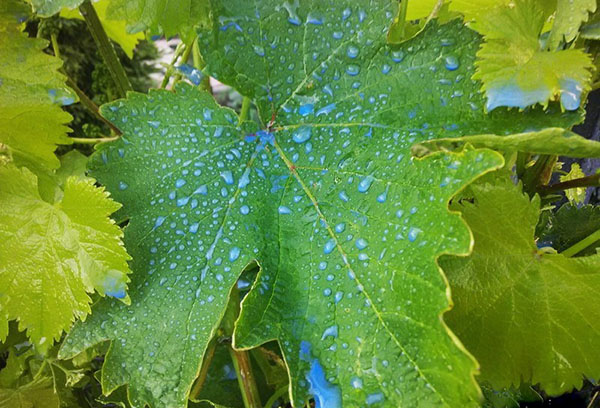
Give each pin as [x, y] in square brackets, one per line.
[527, 315]
[345, 225]
[32, 122]
[54, 254]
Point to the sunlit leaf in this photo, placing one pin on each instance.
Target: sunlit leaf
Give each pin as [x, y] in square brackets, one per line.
[32, 92]
[527, 315]
[53, 255]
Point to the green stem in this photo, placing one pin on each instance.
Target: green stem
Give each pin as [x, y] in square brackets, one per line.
[402, 16]
[178, 51]
[245, 109]
[90, 105]
[208, 356]
[92, 140]
[581, 245]
[245, 376]
[278, 394]
[105, 47]
[589, 181]
[241, 358]
[184, 59]
[200, 64]
[54, 41]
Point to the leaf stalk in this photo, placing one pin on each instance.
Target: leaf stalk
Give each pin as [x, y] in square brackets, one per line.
[105, 48]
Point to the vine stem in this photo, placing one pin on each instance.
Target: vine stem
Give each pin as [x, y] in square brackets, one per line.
[402, 16]
[240, 358]
[245, 110]
[589, 181]
[92, 140]
[278, 394]
[105, 47]
[200, 64]
[83, 98]
[581, 245]
[243, 368]
[178, 51]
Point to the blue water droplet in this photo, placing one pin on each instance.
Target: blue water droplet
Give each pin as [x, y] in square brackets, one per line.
[227, 176]
[326, 110]
[302, 134]
[340, 227]
[398, 56]
[284, 210]
[352, 70]
[306, 109]
[244, 209]
[361, 243]
[234, 253]
[451, 63]
[331, 331]
[329, 246]
[260, 51]
[413, 233]
[365, 184]
[356, 382]
[352, 51]
[374, 398]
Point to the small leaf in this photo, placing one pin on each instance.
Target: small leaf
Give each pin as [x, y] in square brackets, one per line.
[574, 195]
[54, 254]
[170, 17]
[570, 14]
[525, 314]
[527, 75]
[32, 92]
[569, 225]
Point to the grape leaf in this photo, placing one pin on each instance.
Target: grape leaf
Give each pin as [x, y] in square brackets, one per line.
[53, 254]
[570, 14]
[569, 225]
[527, 75]
[345, 225]
[115, 29]
[32, 122]
[526, 315]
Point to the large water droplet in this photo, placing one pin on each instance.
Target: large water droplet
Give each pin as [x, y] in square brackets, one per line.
[365, 184]
[451, 63]
[302, 134]
[352, 51]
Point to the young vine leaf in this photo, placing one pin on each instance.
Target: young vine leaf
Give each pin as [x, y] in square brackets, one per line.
[323, 194]
[32, 92]
[528, 74]
[527, 315]
[53, 255]
[570, 14]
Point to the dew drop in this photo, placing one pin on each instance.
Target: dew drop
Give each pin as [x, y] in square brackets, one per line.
[451, 63]
[365, 184]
